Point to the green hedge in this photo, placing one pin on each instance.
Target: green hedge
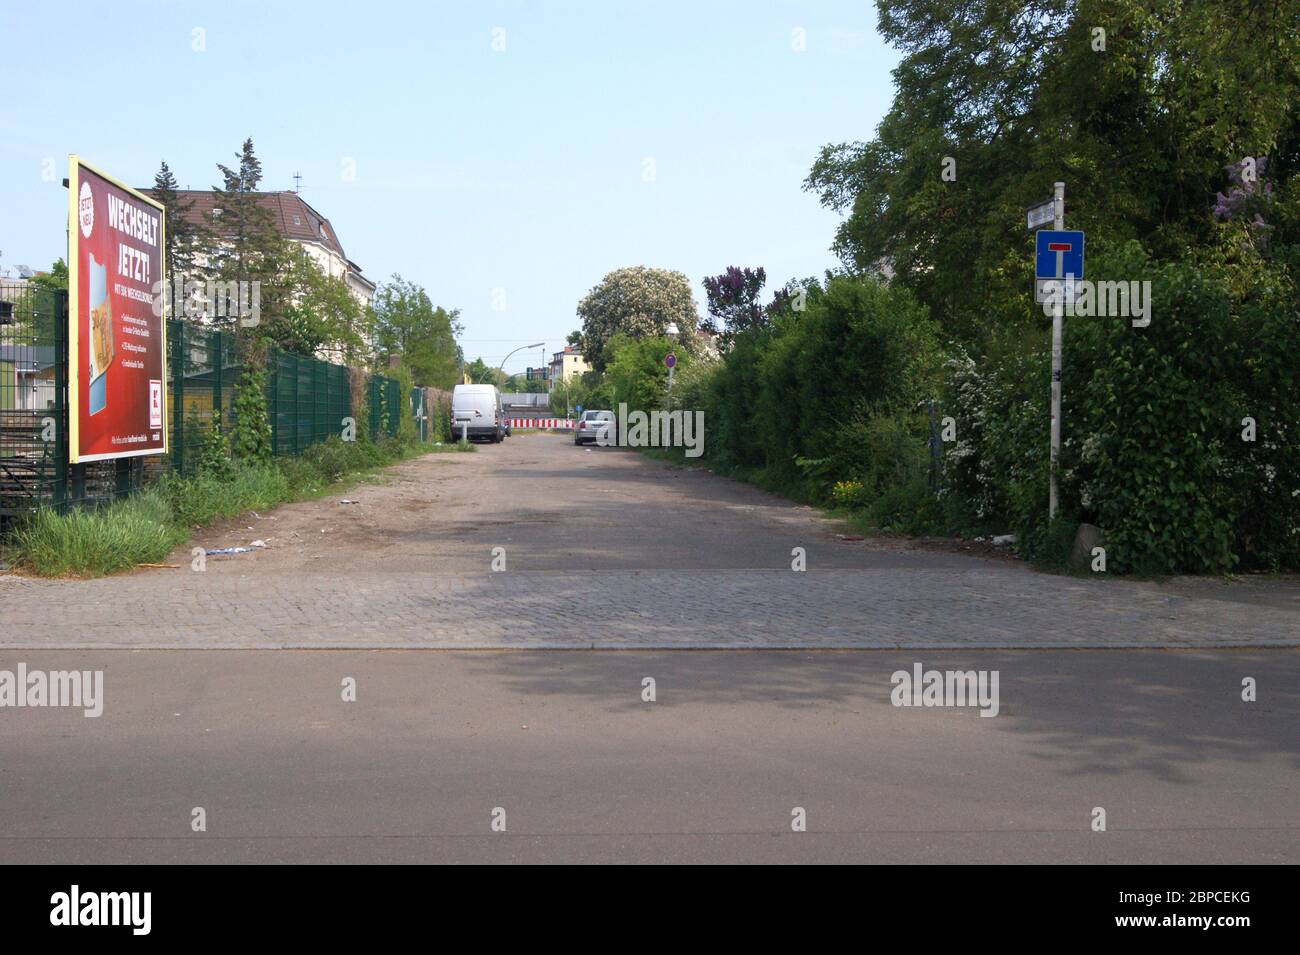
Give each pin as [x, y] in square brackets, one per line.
[828, 406]
[1152, 422]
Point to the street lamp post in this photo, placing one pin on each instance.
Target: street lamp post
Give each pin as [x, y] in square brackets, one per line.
[502, 366]
[672, 332]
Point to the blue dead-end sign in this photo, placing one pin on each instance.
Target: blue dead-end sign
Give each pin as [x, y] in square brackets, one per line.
[1058, 254]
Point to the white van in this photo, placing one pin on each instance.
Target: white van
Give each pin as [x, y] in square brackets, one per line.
[476, 409]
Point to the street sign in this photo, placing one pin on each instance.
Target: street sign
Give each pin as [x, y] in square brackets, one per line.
[1058, 253]
[1058, 257]
[670, 361]
[578, 408]
[1041, 214]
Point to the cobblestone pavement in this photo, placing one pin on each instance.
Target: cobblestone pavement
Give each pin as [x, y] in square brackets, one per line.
[605, 548]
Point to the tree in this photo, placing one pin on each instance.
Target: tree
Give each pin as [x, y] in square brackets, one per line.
[408, 324]
[636, 302]
[1139, 123]
[55, 278]
[636, 373]
[481, 373]
[522, 385]
[732, 301]
[589, 390]
[322, 314]
[250, 247]
[32, 313]
[185, 240]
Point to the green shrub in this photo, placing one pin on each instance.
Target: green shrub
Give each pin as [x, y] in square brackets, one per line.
[205, 498]
[440, 420]
[907, 508]
[1149, 418]
[848, 494]
[335, 457]
[825, 395]
[250, 439]
[303, 477]
[1049, 544]
[214, 450]
[636, 373]
[1152, 422]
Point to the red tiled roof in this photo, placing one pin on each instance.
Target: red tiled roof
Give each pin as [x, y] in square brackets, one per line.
[310, 225]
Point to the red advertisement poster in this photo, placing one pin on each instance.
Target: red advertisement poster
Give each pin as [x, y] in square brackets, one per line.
[117, 349]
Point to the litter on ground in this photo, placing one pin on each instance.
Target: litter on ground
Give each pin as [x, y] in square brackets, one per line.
[219, 551]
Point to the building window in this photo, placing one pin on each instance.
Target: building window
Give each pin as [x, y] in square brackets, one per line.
[297, 220]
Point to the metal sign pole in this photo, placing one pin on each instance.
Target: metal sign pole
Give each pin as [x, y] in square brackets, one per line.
[1058, 321]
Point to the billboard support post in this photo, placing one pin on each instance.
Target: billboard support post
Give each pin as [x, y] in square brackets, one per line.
[178, 399]
[61, 399]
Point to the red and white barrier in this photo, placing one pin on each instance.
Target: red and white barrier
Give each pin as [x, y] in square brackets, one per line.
[563, 424]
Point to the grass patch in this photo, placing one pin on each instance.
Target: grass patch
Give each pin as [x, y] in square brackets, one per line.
[448, 447]
[203, 499]
[92, 543]
[147, 526]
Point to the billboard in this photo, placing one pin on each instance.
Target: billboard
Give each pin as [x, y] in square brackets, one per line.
[117, 344]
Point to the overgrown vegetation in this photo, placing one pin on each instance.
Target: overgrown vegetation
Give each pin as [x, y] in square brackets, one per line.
[1178, 443]
[250, 439]
[911, 390]
[146, 527]
[302, 311]
[91, 543]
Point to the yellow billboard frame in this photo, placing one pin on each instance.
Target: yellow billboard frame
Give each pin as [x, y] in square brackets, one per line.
[75, 165]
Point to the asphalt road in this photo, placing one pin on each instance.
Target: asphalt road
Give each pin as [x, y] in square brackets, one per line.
[586, 771]
[561, 741]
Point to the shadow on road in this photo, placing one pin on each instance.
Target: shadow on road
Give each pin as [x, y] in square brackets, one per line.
[1110, 713]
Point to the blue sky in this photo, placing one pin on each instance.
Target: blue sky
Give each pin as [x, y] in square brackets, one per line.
[475, 169]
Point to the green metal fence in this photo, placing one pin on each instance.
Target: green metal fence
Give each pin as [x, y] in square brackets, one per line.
[307, 401]
[33, 414]
[201, 376]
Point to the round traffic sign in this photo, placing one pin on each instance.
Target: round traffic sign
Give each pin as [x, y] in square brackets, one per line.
[670, 360]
